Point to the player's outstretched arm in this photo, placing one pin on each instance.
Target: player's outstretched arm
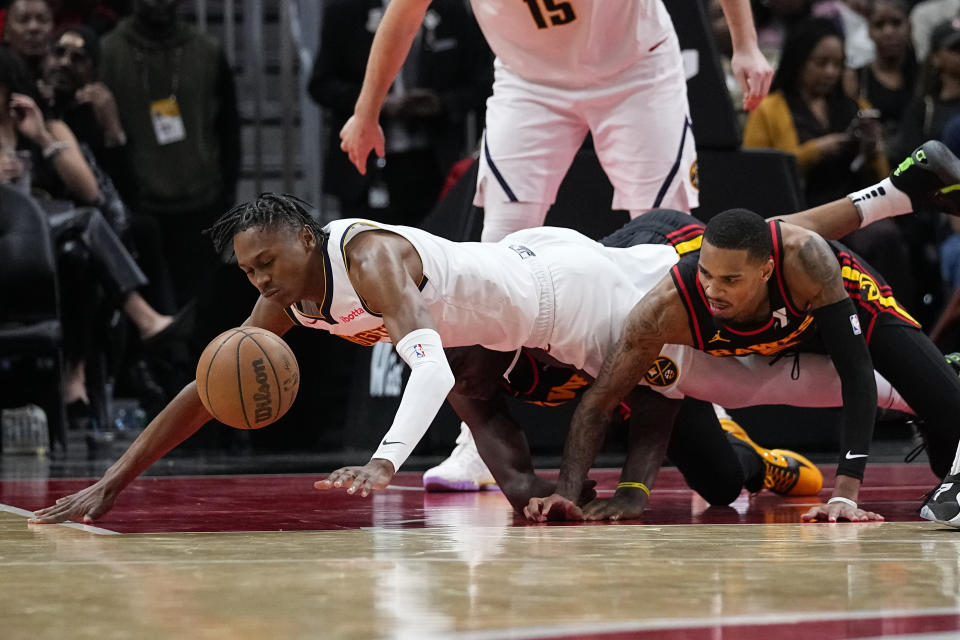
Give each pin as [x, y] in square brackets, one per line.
[179, 420]
[385, 270]
[813, 275]
[657, 319]
[651, 423]
[362, 134]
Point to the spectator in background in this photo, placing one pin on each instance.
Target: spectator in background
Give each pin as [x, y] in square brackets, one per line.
[177, 102]
[447, 75]
[808, 114]
[88, 252]
[887, 83]
[937, 98]
[836, 139]
[924, 17]
[27, 29]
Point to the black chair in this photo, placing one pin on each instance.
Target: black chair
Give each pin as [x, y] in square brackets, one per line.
[31, 359]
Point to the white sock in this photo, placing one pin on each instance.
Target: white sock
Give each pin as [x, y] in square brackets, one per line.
[882, 200]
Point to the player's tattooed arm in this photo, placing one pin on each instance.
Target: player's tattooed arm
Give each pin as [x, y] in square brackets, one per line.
[813, 273]
[659, 318]
[651, 424]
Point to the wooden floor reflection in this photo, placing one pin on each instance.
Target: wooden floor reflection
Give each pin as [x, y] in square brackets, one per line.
[468, 572]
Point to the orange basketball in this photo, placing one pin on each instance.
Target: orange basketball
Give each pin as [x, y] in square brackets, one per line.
[247, 377]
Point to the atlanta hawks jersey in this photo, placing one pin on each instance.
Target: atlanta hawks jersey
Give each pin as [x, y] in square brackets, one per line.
[546, 288]
[572, 44]
[788, 328]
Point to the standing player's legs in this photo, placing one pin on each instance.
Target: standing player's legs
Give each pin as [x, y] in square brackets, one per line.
[643, 137]
[531, 136]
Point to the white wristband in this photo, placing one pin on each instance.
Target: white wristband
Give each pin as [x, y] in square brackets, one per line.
[430, 381]
[843, 500]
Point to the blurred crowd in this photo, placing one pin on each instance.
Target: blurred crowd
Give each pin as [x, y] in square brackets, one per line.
[122, 122]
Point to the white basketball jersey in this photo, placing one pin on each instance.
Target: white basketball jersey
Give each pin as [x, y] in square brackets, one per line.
[572, 44]
[546, 288]
[477, 293]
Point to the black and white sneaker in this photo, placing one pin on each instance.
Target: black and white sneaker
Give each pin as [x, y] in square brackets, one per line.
[941, 504]
[930, 176]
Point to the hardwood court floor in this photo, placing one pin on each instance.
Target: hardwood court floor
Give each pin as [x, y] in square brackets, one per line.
[269, 557]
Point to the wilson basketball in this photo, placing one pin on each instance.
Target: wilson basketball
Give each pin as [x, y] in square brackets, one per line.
[247, 377]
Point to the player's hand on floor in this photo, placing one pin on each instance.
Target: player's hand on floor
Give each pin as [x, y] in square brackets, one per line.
[553, 507]
[839, 511]
[376, 474]
[358, 137]
[619, 507]
[84, 506]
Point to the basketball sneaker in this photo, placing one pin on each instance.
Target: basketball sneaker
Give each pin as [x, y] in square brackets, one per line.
[463, 470]
[930, 176]
[786, 472]
[942, 504]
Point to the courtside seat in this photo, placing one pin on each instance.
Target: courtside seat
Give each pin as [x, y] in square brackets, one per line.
[31, 359]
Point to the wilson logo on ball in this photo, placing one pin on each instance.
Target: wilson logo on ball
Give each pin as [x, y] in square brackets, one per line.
[262, 397]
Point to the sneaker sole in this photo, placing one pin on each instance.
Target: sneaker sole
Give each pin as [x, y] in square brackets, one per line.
[927, 514]
[440, 485]
[949, 170]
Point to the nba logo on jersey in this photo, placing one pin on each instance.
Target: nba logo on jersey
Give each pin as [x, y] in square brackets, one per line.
[418, 351]
[855, 323]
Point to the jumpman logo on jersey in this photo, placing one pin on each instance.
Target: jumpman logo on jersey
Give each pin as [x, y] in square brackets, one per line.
[718, 338]
[780, 317]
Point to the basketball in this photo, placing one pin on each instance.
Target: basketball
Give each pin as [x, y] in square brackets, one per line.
[247, 377]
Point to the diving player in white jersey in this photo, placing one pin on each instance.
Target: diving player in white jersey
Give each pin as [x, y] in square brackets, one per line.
[610, 67]
[393, 285]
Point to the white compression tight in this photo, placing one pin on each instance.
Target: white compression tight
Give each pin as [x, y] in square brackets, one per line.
[500, 219]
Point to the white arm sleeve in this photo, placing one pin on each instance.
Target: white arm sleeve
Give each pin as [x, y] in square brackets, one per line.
[430, 381]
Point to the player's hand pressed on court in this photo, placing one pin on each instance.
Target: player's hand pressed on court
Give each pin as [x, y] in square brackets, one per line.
[839, 511]
[358, 137]
[618, 507]
[753, 74]
[84, 506]
[376, 474]
[553, 507]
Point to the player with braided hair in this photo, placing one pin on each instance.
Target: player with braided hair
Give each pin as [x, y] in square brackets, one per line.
[538, 288]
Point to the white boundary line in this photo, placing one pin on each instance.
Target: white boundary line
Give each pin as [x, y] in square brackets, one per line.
[73, 525]
[780, 618]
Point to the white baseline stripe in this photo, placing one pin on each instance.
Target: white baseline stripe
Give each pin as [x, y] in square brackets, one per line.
[73, 525]
[780, 618]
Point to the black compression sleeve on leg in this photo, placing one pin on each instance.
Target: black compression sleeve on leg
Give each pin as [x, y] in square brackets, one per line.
[840, 330]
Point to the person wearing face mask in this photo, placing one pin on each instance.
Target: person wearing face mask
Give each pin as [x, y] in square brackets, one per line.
[176, 98]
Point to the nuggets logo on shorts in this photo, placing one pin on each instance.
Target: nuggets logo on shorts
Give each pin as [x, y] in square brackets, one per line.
[662, 373]
[695, 175]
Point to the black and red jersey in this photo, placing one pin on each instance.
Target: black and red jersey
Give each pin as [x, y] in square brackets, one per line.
[789, 328]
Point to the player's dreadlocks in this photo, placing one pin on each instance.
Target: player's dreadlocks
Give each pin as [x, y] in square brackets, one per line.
[267, 210]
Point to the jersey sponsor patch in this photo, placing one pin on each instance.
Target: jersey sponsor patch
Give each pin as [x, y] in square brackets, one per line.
[855, 323]
[662, 373]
